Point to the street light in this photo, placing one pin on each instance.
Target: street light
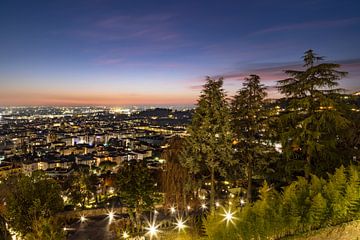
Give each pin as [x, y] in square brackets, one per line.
[172, 210]
[229, 216]
[83, 219]
[152, 230]
[125, 235]
[203, 206]
[180, 224]
[111, 215]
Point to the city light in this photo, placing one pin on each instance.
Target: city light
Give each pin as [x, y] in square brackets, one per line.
[203, 206]
[125, 235]
[83, 219]
[152, 230]
[180, 224]
[217, 204]
[172, 210]
[111, 216]
[188, 208]
[228, 216]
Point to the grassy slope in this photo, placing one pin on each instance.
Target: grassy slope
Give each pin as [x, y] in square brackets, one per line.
[347, 231]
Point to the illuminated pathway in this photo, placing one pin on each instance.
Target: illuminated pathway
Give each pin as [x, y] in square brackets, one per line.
[93, 228]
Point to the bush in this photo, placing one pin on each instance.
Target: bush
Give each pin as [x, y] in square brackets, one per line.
[302, 206]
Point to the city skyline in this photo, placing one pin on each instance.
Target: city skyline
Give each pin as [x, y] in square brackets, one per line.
[146, 53]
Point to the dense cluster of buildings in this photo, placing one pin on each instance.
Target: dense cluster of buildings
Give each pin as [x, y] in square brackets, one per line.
[57, 139]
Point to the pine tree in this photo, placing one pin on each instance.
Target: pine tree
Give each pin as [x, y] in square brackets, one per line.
[312, 119]
[249, 120]
[208, 148]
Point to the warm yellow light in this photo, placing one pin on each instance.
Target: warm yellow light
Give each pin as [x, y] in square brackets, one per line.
[172, 210]
[203, 206]
[125, 235]
[152, 230]
[83, 219]
[111, 215]
[229, 216]
[180, 224]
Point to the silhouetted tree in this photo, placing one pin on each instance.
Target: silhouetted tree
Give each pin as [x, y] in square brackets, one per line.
[312, 119]
[208, 148]
[249, 120]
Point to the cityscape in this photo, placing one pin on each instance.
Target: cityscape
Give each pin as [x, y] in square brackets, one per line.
[147, 120]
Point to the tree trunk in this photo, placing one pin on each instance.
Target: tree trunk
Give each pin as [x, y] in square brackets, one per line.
[249, 187]
[184, 199]
[212, 191]
[307, 168]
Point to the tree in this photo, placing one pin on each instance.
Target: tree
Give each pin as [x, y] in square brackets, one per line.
[136, 187]
[29, 198]
[81, 187]
[46, 229]
[4, 233]
[249, 120]
[312, 120]
[175, 178]
[208, 148]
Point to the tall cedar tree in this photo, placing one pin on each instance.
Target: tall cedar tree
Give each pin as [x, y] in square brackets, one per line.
[208, 148]
[249, 120]
[175, 178]
[312, 120]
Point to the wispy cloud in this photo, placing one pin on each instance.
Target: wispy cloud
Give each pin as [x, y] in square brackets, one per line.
[275, 71]
[126, 27]
[309, 25]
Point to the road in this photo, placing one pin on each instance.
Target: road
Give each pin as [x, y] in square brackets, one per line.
[93, 228]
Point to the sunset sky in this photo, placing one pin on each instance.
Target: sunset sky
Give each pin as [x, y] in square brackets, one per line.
[130, 52]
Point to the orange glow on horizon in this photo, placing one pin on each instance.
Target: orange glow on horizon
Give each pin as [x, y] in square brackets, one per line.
[95, 99]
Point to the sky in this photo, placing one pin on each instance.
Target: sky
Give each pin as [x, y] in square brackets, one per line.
[142, 52]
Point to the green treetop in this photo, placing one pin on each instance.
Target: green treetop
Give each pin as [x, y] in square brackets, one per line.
[312, 119]
[250, 128]
[208, 148]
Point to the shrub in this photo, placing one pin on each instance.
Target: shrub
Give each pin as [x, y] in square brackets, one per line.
[301, 206]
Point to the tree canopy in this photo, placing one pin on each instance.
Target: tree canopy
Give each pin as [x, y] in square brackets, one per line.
[208, 148]
[29, 198]
[313, 119]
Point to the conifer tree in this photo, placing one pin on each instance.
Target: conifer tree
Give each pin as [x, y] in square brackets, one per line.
[208, 148]
[312, 119]
[250, 127]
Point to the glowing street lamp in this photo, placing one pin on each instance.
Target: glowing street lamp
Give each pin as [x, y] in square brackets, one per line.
[125, 235]
[203, 206]
[217, 204]
[152, 230]
[188, 208]
[111, 215]
[180, 224]
[229, 216]
[83, 219]
[172, 210]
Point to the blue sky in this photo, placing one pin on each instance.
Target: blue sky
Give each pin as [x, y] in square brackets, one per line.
[104, 52]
